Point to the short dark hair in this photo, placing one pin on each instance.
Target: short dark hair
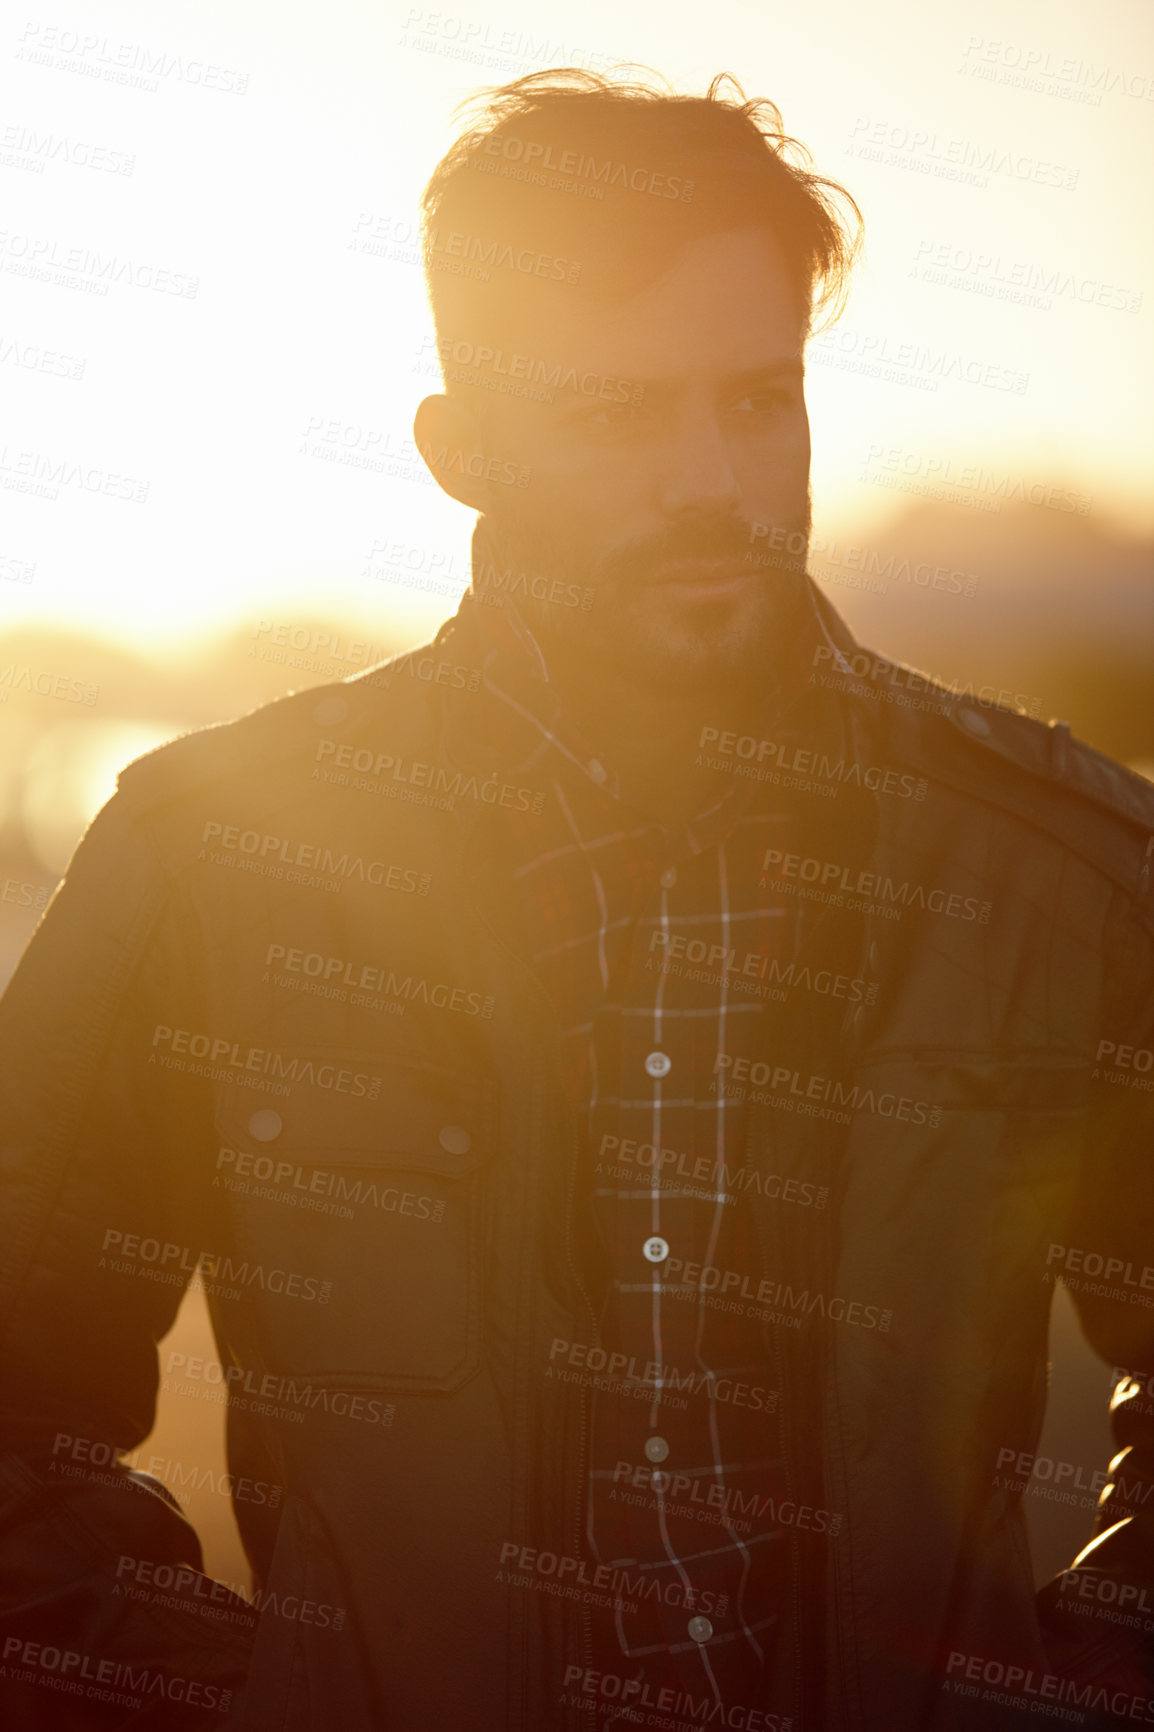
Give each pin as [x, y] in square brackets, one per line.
[641, 171]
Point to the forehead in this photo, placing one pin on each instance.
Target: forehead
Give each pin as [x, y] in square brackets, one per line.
[723, 303]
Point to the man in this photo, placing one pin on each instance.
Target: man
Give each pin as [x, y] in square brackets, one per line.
[628, 1075]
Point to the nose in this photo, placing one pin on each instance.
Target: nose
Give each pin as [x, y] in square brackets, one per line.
[699, 474]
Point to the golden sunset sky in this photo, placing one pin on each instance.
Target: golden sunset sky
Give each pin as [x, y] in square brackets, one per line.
[995, 150]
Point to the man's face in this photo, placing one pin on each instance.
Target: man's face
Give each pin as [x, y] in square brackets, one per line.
[652, 504]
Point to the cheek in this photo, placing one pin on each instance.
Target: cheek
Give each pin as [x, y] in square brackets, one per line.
[781, 459]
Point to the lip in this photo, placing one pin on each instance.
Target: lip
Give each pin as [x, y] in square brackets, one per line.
[686, 582]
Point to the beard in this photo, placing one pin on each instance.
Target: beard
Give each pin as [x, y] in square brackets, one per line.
[636, 622]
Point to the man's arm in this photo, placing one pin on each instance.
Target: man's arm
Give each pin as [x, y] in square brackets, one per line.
[1101, 1609]
[98, 1145]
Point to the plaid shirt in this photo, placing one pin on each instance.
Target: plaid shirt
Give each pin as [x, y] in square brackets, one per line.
[685, 1472]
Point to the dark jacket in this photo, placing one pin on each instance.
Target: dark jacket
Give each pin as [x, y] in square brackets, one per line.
[277, 1013]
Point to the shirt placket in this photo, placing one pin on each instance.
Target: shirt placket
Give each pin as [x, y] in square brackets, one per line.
[605, 892]
[693, 1456]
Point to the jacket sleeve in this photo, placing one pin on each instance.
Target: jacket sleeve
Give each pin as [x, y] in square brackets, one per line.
[102, 1214]
[1103, 1604]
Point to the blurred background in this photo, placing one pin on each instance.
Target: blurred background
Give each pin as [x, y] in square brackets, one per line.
[215, 335]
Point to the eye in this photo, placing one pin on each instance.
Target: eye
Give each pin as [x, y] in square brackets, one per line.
[611, 415]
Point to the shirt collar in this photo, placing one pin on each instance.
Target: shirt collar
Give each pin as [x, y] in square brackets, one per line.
[517, 720]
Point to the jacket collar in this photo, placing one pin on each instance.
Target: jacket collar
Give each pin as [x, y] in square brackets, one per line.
[514, 724]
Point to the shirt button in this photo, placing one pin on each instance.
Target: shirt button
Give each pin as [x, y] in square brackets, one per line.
[597, 770]
[265, 1125]
[700, 1629]
[975, 724]
[659, 1064]
[454, 1139]
[656, 1448]
[330, 711]
[655, 1250]
[668, 878]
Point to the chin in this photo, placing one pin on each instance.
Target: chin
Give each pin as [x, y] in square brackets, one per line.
[703, 652]
[665, 656]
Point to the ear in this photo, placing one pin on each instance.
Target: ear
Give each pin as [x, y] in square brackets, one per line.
[449, 437]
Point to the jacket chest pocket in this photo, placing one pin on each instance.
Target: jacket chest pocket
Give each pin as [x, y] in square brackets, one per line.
[356, 1206]
[979, 1120]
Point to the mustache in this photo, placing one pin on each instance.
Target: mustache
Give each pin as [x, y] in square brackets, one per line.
[731, 540]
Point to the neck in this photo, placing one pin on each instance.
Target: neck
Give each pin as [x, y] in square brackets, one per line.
[650, 735]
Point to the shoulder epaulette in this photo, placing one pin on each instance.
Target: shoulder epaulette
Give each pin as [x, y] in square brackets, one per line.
[272, 733]
[1036, 770]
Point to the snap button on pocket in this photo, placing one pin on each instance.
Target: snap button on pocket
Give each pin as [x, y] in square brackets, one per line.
[455, 1140]
[265, 1125]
